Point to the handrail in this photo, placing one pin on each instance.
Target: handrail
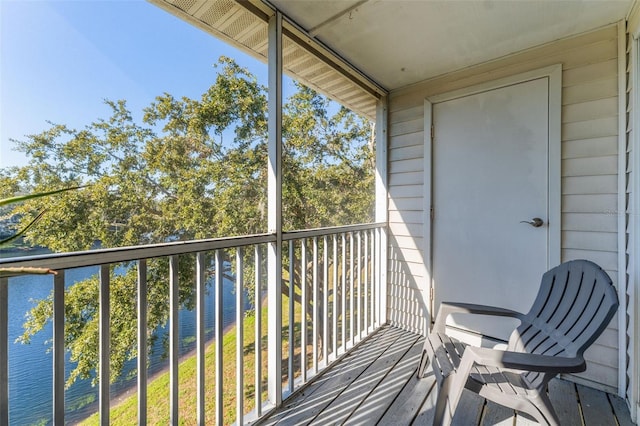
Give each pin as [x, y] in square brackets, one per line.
[317, 232]
[125, 254]
[339, 305]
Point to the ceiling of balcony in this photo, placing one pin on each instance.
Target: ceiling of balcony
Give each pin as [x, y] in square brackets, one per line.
[394, 43]
[400, 42]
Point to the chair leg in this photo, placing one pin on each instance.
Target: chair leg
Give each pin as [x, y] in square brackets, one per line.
[422, 367]
[441, 403]
[543, 411]
[446, 403]
[546, 408]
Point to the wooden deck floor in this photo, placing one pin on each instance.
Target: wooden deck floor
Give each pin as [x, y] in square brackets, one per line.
[376, 384]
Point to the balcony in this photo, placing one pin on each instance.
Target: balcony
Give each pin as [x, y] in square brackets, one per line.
[348, 367]
[334, 304]
[376, 384]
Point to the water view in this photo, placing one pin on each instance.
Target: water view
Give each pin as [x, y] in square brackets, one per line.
[31, 366]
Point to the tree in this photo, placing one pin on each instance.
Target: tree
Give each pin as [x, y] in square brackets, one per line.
[175, 176]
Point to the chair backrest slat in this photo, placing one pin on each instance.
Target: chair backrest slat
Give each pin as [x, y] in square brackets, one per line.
[575, 303]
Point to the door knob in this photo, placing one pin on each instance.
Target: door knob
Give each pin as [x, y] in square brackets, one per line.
[536, 222]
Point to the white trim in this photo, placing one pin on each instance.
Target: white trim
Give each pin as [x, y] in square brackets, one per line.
[632, 19]
[634, 269]
[622, 188]
[554, 75]
[274, 252]
[427, 222]
[382, 197]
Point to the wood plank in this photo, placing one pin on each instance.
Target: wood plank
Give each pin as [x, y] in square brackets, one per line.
[469, 410]
[411, 399]
[498, 415]
[595, 407]
[414, 400]
[410, 324]
[306, 405]
[427, 410]
[620, 410]
[378, 402]
[565, 401]
[338, 408]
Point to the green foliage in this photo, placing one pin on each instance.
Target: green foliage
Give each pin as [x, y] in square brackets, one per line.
[175, 176]
[4, 203]
[20, 198]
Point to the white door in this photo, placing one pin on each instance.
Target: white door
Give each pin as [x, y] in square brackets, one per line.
[490, 173]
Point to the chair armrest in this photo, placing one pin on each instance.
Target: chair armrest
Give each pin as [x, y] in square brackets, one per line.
[524, 361]
[448, 308]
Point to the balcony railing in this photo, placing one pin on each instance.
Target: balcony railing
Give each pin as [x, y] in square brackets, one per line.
[332, 298]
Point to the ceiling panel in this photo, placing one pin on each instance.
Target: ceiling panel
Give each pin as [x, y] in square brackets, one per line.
[400, 42]
[394, 43]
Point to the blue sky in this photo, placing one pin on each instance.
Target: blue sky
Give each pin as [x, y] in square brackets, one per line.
[60, 59]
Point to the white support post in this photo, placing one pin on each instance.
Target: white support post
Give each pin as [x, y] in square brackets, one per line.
[274, 260]
[382, 211]
[622, 205]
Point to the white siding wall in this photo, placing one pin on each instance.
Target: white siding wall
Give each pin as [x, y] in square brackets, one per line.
[629, 261]
[589, 174]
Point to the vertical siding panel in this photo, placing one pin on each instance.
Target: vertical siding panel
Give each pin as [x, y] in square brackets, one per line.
[589, 146]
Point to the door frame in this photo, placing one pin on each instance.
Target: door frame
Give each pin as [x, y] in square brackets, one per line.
[554, 75]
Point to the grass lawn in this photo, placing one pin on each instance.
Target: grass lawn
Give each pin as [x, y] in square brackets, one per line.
[126, 411]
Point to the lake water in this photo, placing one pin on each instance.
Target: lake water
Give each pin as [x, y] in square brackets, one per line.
[31, 366]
